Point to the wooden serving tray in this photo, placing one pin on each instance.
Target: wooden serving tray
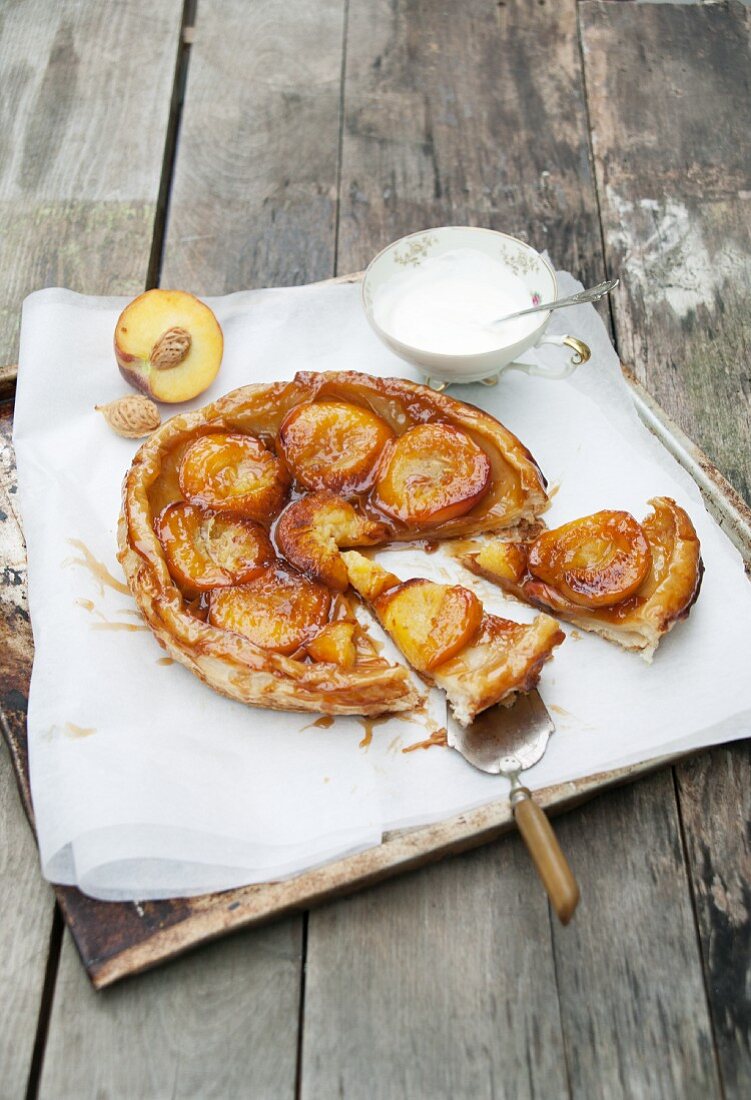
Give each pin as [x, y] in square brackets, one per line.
[119, 939]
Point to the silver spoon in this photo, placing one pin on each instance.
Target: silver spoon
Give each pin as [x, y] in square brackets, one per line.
[592, 295]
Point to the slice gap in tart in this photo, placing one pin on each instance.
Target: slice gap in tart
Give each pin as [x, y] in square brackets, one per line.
[629, 582]
[477, 658]
[311, 530]
[234, 472]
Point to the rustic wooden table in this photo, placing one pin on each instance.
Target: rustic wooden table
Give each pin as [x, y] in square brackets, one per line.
[265, 142]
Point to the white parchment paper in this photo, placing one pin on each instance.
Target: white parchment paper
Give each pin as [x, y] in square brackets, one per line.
[147, 784]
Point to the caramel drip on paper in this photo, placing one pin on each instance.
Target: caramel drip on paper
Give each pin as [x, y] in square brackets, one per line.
[117, 626]
[437, 737]
[368, 725]
[98, 569]
[325, 722]
[72, 730]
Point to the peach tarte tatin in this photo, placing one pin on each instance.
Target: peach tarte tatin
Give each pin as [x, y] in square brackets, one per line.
[629, 582]
[234, 517]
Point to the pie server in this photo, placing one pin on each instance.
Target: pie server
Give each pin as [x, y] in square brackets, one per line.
[506, 741]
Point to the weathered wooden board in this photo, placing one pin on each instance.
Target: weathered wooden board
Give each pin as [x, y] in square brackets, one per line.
[673, 163]
[117, 939]
[499, 137]
[253, 203]
[78, 194]
[217, 1025]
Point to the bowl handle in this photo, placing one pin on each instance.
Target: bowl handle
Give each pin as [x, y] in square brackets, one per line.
[581, 355]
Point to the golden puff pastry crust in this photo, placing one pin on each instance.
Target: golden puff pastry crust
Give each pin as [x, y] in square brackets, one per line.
[640, 579]
[267, 430]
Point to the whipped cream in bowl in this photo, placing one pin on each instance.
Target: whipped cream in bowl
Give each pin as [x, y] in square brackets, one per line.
[432, 297]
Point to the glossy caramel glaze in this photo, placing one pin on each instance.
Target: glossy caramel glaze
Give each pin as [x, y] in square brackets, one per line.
[333, 445]
[235, 472]
[597, 561]
[664, 596]
[206, 549]
[430, 475]
[222, 458]
[278, 610]
[429, 622]
[312, 529]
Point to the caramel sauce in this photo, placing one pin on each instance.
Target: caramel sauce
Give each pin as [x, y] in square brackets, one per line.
[437, 737]
[368, 725]
[166, 661]
[98, 569]
[76, 732]
[118, 626]
[325, 722]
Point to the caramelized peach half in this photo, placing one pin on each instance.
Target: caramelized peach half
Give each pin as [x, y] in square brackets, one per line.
[231, 472]
[333, 445]
[597, 561]
[335, 644]
[431, 474]
[312, 529]
[429, 622]
[169, 345]
[277, 610]
[206, 550]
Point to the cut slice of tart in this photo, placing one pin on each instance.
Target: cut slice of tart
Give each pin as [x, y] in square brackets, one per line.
[477, 658]
[629, 582]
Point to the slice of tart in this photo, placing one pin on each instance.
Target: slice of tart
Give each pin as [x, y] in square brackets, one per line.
[477, 658]
[629, 582]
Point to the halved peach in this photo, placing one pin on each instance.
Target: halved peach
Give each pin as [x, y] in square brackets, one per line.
[429, 622]
[312, 529]
[206, 550]
[597, 561]
[367, 577]
[232, 472]
[333, 445]
[278, 610]
[168, 344]
[432, 473]
[335, 644]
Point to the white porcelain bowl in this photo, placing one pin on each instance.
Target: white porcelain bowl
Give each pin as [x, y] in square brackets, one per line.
[520, 258]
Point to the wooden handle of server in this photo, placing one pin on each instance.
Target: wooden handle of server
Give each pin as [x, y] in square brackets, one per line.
[552, 866]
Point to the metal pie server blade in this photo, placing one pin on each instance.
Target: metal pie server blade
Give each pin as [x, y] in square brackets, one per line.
[505, 741]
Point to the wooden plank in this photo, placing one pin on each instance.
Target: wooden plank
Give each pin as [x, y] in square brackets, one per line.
[254, 198]
[253, 203]
[460, 115]
[438, 985]
[632, 999]
[674, 174]
[715, 794]
[81, 145]
[455, 993]
[78, 190]
[217, 1025]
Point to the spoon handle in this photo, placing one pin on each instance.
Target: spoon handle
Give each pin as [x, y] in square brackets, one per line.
[592, 295]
